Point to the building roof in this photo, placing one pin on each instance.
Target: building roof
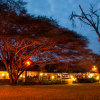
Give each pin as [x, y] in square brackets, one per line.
[2, 66]
[32, 68]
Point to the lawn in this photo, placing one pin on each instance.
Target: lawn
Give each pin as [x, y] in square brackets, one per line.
[86, 91]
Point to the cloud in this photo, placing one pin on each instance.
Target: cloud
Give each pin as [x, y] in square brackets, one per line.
[70, 1]
[98, 7]
[39, 7]
[57, 5]
[61, 10]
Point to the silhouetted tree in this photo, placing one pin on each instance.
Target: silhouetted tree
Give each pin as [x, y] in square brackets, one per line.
[81, 65]
[92, 19]
[24, 37]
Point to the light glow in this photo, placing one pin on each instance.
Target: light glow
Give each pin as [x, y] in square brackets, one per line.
[45, 74]
[3, 74]
[89, 76]
[23, 76]
[97, 77]
[41, 74]
[52, 77]
[28, 63]
[94, 66]
[7, 74]
[74, 79]
[71, 76]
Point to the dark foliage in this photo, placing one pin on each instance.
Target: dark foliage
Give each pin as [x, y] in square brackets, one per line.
[41, 40]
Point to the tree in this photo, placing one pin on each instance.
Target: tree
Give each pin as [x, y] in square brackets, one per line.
[92, 19]
[17, 6]
[81, 65]
[41, 40]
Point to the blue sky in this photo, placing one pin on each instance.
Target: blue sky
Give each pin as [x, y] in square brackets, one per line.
[61, 10]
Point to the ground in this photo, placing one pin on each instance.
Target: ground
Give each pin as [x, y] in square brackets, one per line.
[86, 91]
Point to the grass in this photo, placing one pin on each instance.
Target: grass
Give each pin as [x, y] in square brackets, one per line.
[86, 91]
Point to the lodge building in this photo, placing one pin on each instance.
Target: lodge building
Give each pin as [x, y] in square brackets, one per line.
[34, 75]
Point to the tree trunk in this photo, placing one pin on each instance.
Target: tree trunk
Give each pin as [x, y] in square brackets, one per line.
[13, 81]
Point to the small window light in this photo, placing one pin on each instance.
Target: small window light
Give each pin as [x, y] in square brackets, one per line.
[52, 77]
[7, 74]
[45, 74]
[3, 74]
[41, 74]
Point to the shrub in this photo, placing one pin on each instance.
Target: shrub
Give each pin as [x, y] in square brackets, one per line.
[88, 80]
[20, 81]
[64, 82]
[4, 81]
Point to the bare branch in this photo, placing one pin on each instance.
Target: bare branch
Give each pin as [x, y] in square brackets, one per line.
[88, 19]
[36, 42]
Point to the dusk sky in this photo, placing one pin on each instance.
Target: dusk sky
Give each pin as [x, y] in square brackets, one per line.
[61, 10]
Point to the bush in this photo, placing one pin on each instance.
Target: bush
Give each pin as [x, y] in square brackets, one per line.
[4, 81]
[48, 82]
[58, 81]
[64, 82]
[20, 81]
[88, 80]
[74, 81]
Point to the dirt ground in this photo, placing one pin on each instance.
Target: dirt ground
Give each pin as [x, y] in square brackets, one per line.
[86, 91]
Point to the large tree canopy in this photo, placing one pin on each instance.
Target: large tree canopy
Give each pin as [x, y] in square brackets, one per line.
[40, 39]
